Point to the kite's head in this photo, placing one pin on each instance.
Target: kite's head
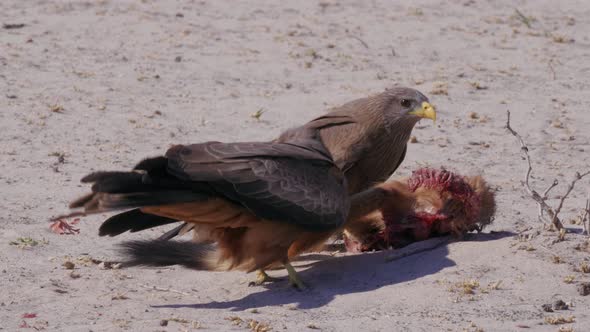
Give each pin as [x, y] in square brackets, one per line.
[407, 105]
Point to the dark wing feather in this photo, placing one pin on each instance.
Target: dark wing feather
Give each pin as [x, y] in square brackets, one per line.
[172, 233]
[292, 182]
[296, 192]
[133, 221]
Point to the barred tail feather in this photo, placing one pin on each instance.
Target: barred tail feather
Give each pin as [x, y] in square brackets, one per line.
[159, 253]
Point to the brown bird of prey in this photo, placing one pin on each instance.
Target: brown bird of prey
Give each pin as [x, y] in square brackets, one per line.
[429, 203]
[258, 205]
[367, 139]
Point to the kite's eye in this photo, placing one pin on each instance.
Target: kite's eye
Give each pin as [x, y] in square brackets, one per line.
[406, 103]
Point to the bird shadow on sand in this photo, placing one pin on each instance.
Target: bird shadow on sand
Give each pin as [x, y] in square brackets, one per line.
[330, 276]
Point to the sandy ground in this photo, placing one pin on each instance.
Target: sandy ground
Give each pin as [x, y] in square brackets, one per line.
[100, 84]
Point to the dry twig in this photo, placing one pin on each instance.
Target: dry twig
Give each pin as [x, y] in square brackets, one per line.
[541, 200]
[577, 177]
[534, 194]
[524, 19]
[164, 289]
[586, 215]
[545, 196]
[360, 41]
[546, 192]
[553, 61]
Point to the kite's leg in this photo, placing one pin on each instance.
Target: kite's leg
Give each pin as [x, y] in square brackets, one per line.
[261, 278]
[294, 278]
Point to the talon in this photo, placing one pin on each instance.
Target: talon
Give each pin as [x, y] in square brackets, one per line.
[261, 278]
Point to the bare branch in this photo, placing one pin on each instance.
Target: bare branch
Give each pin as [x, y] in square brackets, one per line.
[521, 17]
[546, 192]
[586, 214]
[543, 207]
[550, 64]
[163, 289]
[577, 177]
[360, 41]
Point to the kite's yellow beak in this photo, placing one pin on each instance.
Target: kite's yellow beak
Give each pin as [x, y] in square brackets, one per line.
[425, 111]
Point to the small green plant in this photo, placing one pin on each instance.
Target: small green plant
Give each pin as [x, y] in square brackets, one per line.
[27, 242]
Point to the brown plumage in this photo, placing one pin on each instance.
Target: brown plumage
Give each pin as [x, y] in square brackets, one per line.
[432, 202]
[255, 205]
[372, 146]
[366, 137]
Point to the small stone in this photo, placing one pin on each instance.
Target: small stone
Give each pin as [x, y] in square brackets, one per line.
[478, 86]
[164, 322]
[413, 139]
[584, 288]
[104, 265]
[109, 266]
[557, 124]
[547, 307]
[560, 305]
[440, 88]
[178, 59]
[312, 53]
[8, 26]
[473, 115]
[68, 265]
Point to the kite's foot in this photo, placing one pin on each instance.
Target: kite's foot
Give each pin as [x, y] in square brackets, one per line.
[294, 280]
[261, 278]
